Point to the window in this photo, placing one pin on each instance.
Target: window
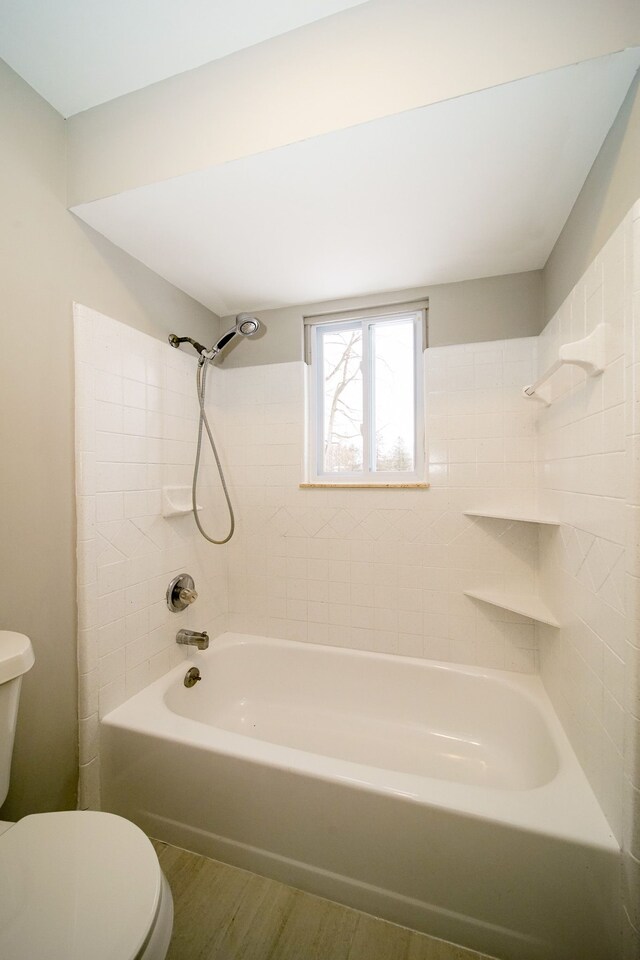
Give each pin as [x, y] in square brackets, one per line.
[365, 398]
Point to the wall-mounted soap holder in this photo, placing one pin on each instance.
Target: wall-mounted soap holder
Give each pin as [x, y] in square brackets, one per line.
[181, 592]
[177, 501]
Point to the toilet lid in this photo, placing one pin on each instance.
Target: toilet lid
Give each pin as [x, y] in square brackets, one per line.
[76, 885]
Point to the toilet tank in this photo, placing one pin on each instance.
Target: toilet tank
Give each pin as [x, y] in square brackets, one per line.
[16, 657]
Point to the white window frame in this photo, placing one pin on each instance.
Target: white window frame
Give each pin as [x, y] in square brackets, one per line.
[314, 328]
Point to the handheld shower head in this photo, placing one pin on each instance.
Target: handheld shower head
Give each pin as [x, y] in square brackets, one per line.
[245, 325]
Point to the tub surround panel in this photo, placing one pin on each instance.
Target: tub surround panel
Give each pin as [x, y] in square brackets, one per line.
[631, 599]
[585, 482]
[381, 570]
[589, 479]
[386, 569]
[136, 421]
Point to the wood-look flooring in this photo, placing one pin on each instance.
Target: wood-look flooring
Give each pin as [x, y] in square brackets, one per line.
[223, 913]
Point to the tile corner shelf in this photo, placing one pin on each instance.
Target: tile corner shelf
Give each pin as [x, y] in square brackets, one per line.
[526, 604]
[498, 514]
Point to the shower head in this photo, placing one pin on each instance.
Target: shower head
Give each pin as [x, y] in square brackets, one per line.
[245, 325]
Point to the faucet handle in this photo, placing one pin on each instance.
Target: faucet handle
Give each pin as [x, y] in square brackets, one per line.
[188, 596]
[181, 592]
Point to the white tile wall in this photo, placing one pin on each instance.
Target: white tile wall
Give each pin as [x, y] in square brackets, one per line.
[631, 778]
[385, 569]
[590, 478]
[585, 483]
[136, 419]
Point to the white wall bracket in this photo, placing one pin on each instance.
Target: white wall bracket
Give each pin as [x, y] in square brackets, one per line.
[588, 353]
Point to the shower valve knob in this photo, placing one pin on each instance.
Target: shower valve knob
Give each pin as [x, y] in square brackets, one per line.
[181, 592]
[188, 596]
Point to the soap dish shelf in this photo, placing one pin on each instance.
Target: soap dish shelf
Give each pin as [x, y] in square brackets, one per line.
[177, 501]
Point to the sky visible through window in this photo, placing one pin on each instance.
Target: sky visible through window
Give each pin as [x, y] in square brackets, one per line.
[391, 401]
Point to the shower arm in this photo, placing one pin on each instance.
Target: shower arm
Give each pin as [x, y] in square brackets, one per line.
[176, 341]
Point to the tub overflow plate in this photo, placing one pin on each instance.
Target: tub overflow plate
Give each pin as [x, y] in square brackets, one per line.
[192, 676]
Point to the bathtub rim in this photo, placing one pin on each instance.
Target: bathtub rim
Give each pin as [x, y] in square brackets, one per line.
[565, 807]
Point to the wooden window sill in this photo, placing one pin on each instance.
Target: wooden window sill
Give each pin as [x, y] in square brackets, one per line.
[330, 484]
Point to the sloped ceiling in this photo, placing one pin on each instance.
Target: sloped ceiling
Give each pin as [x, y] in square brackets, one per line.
[476, 186]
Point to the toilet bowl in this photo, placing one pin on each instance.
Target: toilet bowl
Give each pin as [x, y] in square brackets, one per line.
[74, 885]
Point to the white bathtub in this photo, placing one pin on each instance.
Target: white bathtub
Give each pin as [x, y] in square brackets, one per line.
[441, 797]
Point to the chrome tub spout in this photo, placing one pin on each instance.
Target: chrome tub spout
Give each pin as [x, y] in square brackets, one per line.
[193, 638]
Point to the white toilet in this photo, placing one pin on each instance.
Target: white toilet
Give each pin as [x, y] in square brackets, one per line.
[76, 885]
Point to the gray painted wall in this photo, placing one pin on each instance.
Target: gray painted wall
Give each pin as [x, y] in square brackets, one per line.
[47, 260]
[609, 192]
[493, 308]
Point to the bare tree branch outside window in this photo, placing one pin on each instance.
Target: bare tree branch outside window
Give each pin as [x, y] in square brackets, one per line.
[391, 412]
[343, 413]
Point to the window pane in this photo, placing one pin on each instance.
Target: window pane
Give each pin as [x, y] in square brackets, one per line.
[342, 400]
[394, 391]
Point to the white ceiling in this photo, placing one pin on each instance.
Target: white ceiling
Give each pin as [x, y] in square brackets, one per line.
[472, 187]
[79, 53]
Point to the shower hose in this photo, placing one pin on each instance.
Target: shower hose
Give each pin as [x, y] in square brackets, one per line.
[201, 381]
